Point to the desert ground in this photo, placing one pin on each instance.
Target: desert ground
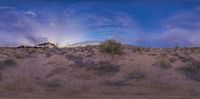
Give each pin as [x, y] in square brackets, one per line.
[87, 73]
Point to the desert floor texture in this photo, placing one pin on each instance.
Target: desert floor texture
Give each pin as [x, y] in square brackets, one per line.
[86, 73]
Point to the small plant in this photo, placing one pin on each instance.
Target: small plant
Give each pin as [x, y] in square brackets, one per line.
[176, 48]
[1, 65]
[104, 68]
[19, 85]
[163, 55]
[20, 55]
[147, 49]
[118, 83]
[185, 58]
[136, 75]
[172, 59]
[7, 63]
[163, 63]
[110, 47]
[138, 49]
[49, 54]
[192, 70]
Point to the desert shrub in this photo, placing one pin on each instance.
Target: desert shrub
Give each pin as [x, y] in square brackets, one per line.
[118, 83]
[147, 49]
[7, 63]
[138, 49]
[176, 54]
[135, 75]
[110, 47]
[56, 71]
[40, 51]
[163, 63]
[20, 55]
[72, 57]
[32, 51]
[104, 68]
[18, 85]
[80, 61]
[195, 49]
[183, 57]
[176, 47]
[49, 54]
[1, 65]
[0, 76]
[53, 84]
[192, 70]
[163, 55]
[172, 59]
[153, 54]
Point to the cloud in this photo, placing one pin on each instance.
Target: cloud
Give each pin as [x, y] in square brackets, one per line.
[92, 21]
[104, 22]
[183, 27]
[198, 8]
[180, 29]
[31, 13]
[15, 28]
[168, 1]
[76, 23]
[6, 8]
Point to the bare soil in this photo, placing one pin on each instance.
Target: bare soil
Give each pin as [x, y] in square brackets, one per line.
[86, 73]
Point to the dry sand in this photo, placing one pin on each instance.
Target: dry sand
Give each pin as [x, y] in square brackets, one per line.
[85, 73]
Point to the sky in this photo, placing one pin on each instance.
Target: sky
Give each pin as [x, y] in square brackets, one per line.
[148, 23]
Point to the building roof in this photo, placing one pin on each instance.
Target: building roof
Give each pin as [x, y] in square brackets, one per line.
[46, 44]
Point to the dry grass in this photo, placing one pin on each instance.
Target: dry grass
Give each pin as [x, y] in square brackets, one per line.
[135, 75]
[86, 71]
[172, 59]
[192, 70]
[163, 63]
[21, 55]
[80, 60]
[19, 85]
[57, 71]
[104, 68]
[118, 83]
[184, 58]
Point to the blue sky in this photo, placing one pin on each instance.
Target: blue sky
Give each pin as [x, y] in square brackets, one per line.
[149, 23]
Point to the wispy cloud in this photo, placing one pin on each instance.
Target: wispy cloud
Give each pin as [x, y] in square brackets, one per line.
[31, 13]
[104, 22]
[16, 27]
[98, 21]
[180, 29]
[6, 8]
[80, 22]
[183, 27]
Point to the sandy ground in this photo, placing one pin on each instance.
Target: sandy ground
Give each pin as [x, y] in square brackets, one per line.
[86, 73]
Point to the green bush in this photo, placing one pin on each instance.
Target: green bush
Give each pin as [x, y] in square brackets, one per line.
[111, 47]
